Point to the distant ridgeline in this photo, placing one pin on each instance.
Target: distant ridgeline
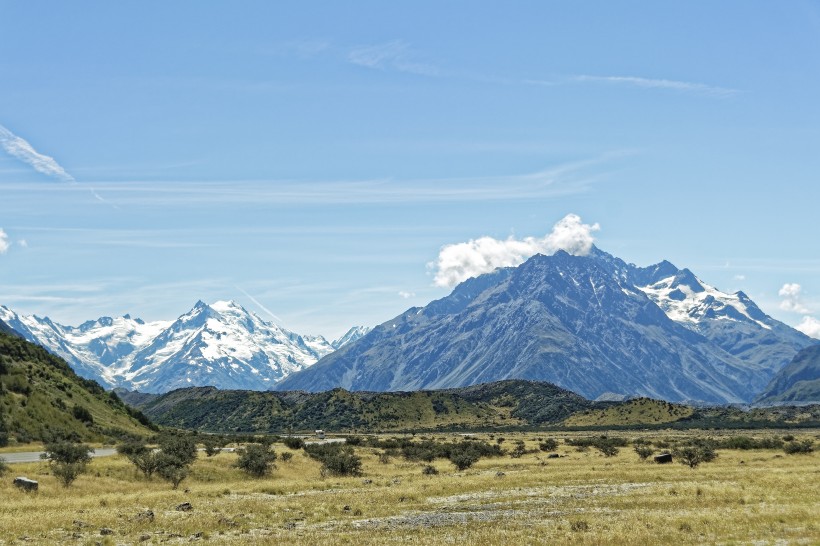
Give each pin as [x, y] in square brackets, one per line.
[41, 397]
[506, 404]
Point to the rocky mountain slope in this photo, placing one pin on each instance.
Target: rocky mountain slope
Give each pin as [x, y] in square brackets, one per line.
[592, 324]
[797, 382]
[220, 344]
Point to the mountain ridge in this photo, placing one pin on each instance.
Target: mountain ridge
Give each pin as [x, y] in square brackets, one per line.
[591, 324]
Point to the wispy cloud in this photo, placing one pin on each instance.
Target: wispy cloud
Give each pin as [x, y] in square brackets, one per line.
[564, 179]
[461, 261]
[25, 152]
[394, 55]
[640, 82]
[404, 294]
[4, 242]
[259, 304]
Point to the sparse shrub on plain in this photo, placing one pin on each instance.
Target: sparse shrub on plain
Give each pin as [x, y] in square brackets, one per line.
[4, 467]
[519, 450]
[337, 459]
[256, 460]
[429, 470]
[286, 456]
[643, 451]
[798, 447]
[293, 442]
[68, 459]
[549, 444]
[213, 445]
[464, 459]
[693, 455]
[176, 455]
[384, 457]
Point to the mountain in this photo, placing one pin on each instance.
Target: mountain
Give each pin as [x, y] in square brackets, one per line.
[6, 329]
[220, 344]
[797, 382]
[591, 324]
[41, 395]
[350, 336]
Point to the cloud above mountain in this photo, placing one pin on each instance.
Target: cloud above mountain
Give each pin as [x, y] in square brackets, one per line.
[809, 326]
[460, 261]
[792, 298]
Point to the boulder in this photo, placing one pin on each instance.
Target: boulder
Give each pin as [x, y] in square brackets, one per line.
[663, 458]
[26, 484]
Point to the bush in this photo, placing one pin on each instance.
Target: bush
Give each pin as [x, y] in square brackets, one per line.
[795, 447]
[82, 414]
[464, 459]
[429, 470]
[213, 445]
[693, 455]
[548, 445]
[607, 449]
[519, 450]
[293, 442]
[68, 459]
[256, 460]
[643, 451]
[286, 456]
[170, 471]
[4, 467]
[337, 459]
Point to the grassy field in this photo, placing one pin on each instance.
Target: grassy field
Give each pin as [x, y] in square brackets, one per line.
[743, 497]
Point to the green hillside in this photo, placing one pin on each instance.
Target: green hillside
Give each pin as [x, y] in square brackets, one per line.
[501, 404]
[797, 382]
[640, 411]
[41, 396]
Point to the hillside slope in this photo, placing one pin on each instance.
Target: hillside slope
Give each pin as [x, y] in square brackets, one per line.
[40, 395]
[797, 382]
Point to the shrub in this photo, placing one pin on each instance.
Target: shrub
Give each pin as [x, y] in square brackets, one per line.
[170, 471]
[693, 455]
[607, 449]
[293, 443]
[337, 459]
[519, 450]
[256, 460]
[429, 470]
[548, 445]
[795, 447]
[4, 467]
[213, 445]
[464, 459]
[384, 457]
[286, 456]
[643, 451]
[82, 414]
[68, 459]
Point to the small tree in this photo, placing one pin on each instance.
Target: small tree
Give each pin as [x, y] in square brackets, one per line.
[68, 459]
[693, 455]
[213, 445]
[464, 459]
[548, 445]
[141, 456]
[256, 460]
[607, 449]
[643, 451]
[176, 455]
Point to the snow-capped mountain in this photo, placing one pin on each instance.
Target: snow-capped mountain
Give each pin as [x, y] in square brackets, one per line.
[221, 344]
[591, 324]
[350, 336]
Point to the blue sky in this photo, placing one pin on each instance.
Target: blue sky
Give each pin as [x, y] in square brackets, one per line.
[311, 159]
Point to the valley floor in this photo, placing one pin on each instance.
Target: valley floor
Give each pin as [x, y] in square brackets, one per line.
[743, 497]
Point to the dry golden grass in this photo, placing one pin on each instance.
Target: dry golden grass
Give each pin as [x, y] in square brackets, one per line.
[760, 496]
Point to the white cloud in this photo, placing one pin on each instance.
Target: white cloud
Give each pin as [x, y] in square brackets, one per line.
[395, 55]
[23, 243]
[460, 261]
[740, 277]
[406, 295]
[791, 294]
[654, 83]
[4, 242]
[810, 326]
[25, 152]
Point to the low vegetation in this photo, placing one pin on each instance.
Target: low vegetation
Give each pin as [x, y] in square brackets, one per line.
[745, 495]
